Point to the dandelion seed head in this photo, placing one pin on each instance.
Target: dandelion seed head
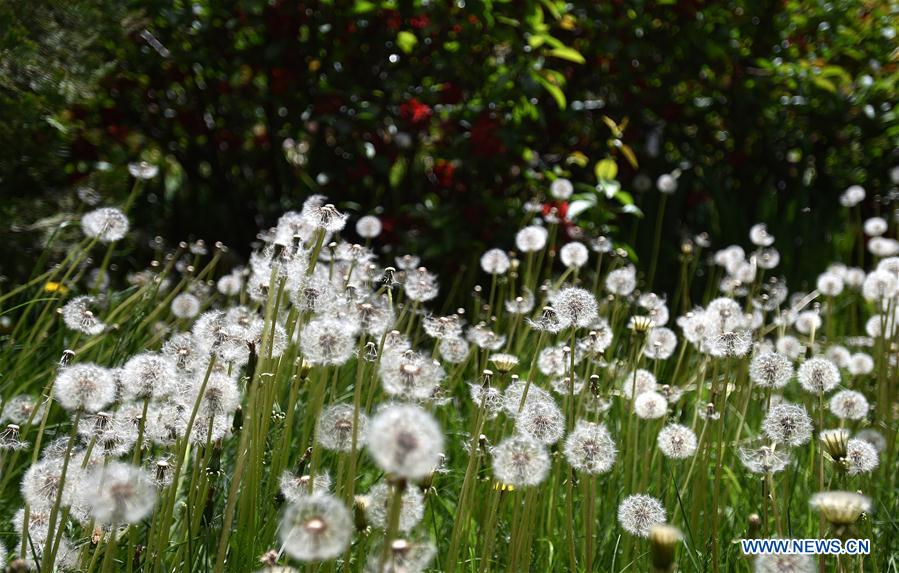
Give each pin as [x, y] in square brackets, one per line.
[860, 364]
[296, 487]
[883, 247]
[666, 184]
[576, 306]
[677, 441]
[589, 448]
[492, 399]
[368, 227]
[880, 285]
[784, 563]
[638, 382]
[788, 424]
[650, 405]
[185, 305]
[531, 239]
[789, 346]
[561, 189]
[495, 262]
[378, 500]
[106, 224]
[120, 493]
[86, 387]
[334, 429]
[623, 281]
[316, 528]
[764, 459]
[514, 392]
[522, 304]
[574, 255]
[20, 409]
[830, 284]
[841, 507]
[638, 513]
[660, 343]
[483, 336]
[148, 375]
[770, 370]
[410, 375]
[875, 226]
[759, 235]
[78, 316]
[852, 196]
[327, 341]
[818, 374]
[420, 285]
[861, 457]
[731, 343]
[40, 484]
[405, 440]
[873, 437]
[849, 405]
[542, 420]
[323, 217]
[520, 461]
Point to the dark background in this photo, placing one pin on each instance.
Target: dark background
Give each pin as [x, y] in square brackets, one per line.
[447, 116]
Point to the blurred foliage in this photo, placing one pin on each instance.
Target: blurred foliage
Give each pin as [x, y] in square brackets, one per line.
[447, 116]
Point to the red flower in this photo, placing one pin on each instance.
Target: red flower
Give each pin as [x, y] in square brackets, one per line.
[415, 112]
[444, 172]
[419, 22]
[393, 18]
[560, 208]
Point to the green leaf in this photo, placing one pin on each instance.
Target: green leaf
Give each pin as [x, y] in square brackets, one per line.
[406, 41]
[397, 172]
[824, 84]
[554, 90]
[567, 53]
[605, 169]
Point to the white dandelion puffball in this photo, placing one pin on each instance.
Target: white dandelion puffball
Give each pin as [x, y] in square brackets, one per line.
[852, 196]
[770, 370]
[334, 429]
[77, 315]
[120, 493]
[574, 255]
[788, 423]
[638, 382]
[576, 306]
[623, 281]
[784, 563]
[531, 239]
[316, 528]
[542, 420]
[638, 513]
[86, 387]
[849, 405]
[818, 374]
[666, 183]
[405, 440]
[830, 284]
[143, 170]
[561, 189]
[106, 224]
[185, 305]
[650, 405]
[861, 457]
[378, 500]
[677, 441]
[590, 448]
[369, 227]
[875, 226]
[495, 262]
[520, 461]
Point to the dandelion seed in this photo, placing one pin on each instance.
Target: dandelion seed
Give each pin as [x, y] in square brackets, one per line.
[734, 343]
[377, 508]
[677, 441]
[599, 338]
[316, 528]
[770, 370]
[788, 424]
[576, 306]
[324, 217]
[520, 461]
[549, 321]
[482, 336]
[861, 457]
[818, 374]
[523, 304]
[759, 235]
[495, 262]
[590, 448]
[106, 224]
[78, 316]
[638, 513]
[492, 399]
[660, 343]
[405, 440]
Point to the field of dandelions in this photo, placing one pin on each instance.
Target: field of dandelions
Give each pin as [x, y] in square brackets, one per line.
[316, 409]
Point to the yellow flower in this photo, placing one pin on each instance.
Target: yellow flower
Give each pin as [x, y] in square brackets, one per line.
[51, 286]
